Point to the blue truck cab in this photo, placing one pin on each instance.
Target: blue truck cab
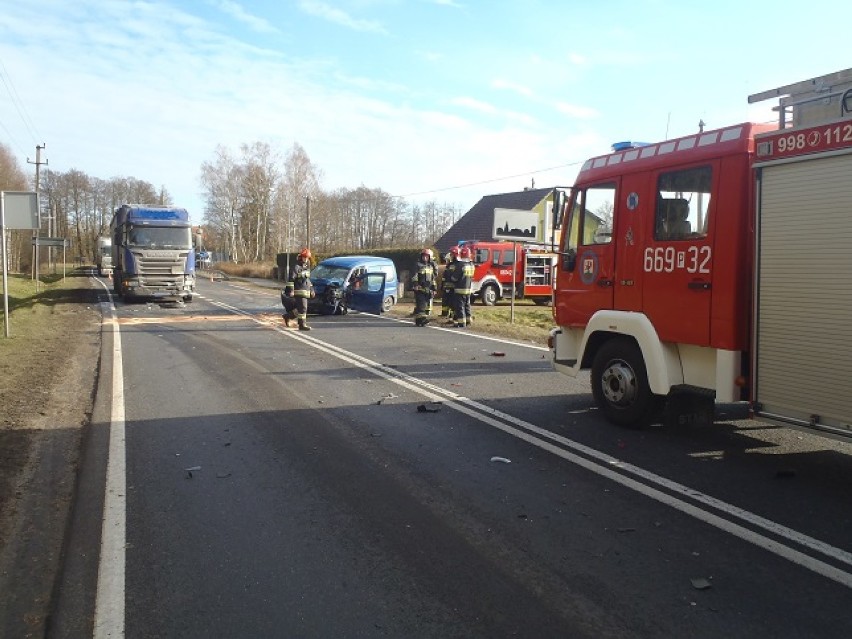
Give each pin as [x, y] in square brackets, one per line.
[358, 282]
[152, 254]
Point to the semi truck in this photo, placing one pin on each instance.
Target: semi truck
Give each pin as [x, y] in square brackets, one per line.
[153, 256]
[717, 265]
[504, 268]
[103, 256]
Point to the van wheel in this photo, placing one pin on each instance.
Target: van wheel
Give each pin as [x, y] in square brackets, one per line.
[387, 303]
[620, 384]
[489, 295]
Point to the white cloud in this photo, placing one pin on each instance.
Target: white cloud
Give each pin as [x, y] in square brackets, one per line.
[474, 104]
[237, 12]
[339, 17]
[576, 111]
[511, 86]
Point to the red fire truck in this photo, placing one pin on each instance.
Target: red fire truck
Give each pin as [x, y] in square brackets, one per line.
[720, 264]
[495, 261]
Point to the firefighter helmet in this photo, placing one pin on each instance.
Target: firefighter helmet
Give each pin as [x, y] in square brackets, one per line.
[464, 253]
[454, 250]
[427, 253]
[305, 254]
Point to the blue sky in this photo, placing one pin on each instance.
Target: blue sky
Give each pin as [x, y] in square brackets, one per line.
[429, 99]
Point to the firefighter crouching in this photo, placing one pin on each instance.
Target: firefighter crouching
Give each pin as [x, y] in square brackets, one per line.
[447, 284]
[463, 282]
[423, 285]
[298, 290]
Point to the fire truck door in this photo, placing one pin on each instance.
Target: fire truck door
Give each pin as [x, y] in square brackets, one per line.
[585, 284]
[678, 260]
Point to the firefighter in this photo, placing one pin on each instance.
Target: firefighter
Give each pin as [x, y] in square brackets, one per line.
[423, 285]
[463, 281]
[447, 284]
[298, 290]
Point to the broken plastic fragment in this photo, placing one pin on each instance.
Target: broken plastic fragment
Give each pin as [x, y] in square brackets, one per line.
[432, 408]
[501, 459]
[701, 584]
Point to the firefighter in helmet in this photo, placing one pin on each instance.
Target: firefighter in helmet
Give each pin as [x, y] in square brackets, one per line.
[298, 290]
[447, 283]
[423, 285]
[463, 282]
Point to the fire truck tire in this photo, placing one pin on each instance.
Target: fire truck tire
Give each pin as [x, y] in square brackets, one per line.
[488, 294]
[620, 384]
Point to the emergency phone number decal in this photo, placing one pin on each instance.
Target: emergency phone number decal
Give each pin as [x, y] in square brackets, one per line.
[810, 140]
[667, 259]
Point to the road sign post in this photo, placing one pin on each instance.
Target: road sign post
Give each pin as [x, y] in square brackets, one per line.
[21, 207]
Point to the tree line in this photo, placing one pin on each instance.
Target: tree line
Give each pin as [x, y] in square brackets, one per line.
[257, 204]
[74, 206]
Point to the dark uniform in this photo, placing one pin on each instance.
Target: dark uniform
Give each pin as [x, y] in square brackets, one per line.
[447, 284]
[463, 280]
[298, 290]
[423, 285]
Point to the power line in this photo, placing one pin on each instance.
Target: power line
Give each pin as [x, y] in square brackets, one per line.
[500, 179]
[17, 102]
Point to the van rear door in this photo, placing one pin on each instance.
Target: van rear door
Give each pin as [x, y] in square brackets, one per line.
[366, 293]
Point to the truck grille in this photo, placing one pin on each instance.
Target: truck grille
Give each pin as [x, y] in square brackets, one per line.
[157, 271]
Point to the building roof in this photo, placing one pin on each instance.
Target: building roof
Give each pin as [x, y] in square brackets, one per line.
[478, 222]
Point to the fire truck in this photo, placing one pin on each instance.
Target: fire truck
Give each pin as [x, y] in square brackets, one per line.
[495, 264]
[717, 264]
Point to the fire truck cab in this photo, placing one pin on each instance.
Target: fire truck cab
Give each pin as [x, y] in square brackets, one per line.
[665, 283]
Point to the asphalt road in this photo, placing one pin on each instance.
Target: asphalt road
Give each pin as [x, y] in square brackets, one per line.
[373, 479]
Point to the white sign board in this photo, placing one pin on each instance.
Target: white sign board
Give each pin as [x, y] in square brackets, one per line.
[20, 210]
[515, 225]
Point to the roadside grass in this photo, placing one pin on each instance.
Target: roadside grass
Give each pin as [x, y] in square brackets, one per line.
[529, 323]
[254, 269]
[31, 311]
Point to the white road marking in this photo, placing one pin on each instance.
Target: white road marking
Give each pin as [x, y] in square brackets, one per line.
[109, 601]
[604, 465]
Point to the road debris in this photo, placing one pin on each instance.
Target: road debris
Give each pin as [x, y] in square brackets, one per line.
[433, 407]
[190, 470]
[502, 460]
[498, 354]
[388, 396]
[701, 583]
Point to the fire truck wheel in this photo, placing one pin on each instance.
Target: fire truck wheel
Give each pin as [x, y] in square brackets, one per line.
[489, 295]
[620, 384]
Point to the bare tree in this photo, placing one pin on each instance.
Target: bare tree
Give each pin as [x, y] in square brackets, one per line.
[12, 178]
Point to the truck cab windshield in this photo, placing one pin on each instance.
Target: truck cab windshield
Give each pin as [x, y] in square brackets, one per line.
[159, 237]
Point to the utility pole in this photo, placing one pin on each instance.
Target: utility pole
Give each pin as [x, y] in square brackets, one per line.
[307, 221]
[38, 164]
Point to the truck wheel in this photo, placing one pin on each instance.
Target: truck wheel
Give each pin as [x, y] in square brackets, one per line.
[387, 304]
[488, 294]
[620, 384]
